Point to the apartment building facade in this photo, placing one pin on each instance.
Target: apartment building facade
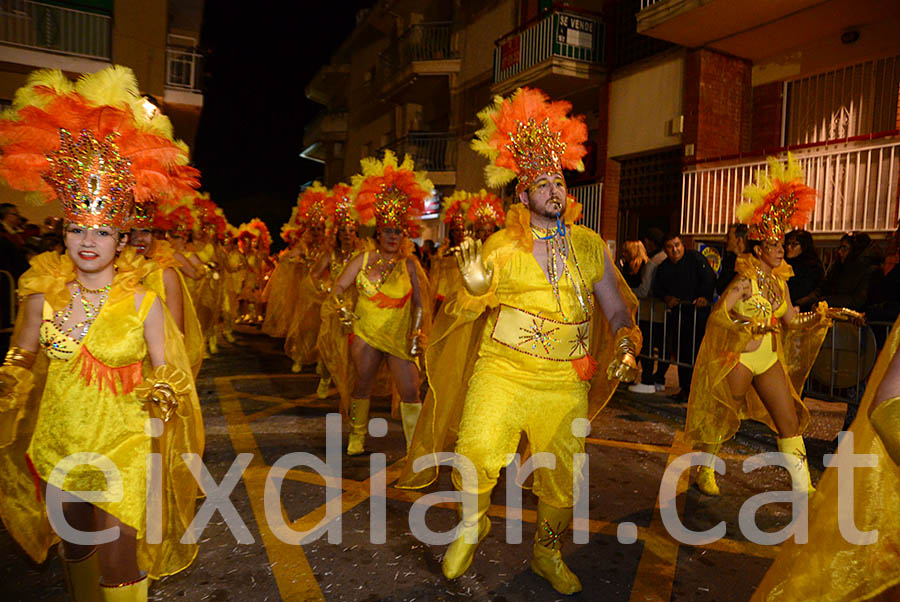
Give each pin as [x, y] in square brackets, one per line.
[158, 39]
[683, 100]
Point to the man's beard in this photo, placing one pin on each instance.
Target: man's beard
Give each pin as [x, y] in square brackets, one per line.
[550, 210]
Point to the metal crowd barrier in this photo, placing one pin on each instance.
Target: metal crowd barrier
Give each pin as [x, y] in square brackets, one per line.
[839, 372]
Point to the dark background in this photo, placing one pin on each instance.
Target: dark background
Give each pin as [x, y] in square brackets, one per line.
[260, 56]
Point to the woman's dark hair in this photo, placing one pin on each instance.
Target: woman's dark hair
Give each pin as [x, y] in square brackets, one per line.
[807, 246]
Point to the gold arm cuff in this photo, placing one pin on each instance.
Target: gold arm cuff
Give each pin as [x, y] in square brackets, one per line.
[885, 420]
[16, 356]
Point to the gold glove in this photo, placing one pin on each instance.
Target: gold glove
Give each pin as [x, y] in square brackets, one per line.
[165, 390]
[623, 367]
[321, 286]
[345, 312]
[885, 420]
[16, 356]
[211, 269]
[16, 379]
[758, 327]
[416, 335]
[842, 314]
[476, 277]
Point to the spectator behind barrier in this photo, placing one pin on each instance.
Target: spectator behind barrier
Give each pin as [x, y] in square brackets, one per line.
[685, 276]
[809, 273]
[847, 280]
[735, 244]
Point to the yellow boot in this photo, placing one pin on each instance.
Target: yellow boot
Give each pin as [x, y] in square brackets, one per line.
[409, 415]
[546, 559]
[706, 475]
[135, 591]
[473, 526]
[324, 387]
[359, 424]
[796, 450]
[213, 347]
[82, 576]
[229, 335]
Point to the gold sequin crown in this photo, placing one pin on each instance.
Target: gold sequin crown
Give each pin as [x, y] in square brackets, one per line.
[779, 201]
[527, 135]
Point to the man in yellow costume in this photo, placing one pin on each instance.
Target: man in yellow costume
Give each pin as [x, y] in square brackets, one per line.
[529, 312]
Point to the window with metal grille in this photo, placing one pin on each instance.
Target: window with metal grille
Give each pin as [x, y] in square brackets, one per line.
[852, 101]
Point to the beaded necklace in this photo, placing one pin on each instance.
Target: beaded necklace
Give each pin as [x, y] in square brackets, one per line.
[91, 311]
[559, 247]
[386, 265]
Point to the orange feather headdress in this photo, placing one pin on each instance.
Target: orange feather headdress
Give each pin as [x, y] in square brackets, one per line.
[178, 221]
[255, 229]
[527, 135]
[485, 207]
[91, 145]
[779, 201]
[343, 212]
[456, 209]
[391, 194]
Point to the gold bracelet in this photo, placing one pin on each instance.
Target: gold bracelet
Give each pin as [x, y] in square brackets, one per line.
[16, 356]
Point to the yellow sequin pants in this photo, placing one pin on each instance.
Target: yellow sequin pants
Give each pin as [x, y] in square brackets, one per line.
[499, 406]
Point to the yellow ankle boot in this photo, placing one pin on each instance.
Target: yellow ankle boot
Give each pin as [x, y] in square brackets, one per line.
[706, 475]
[324, 387]
[213, 347]
[359, 424]
[135, 591]
[82, 576]
[409, 415]
[473, 527]
[794, 448]
[546, 559]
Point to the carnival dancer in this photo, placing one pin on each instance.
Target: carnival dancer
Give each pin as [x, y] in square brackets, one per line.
[390, 319]
[315, 207]
[758, 350]
[95, 356]
[341, 223]
[528, 313]
[254, 241]
[485, 214]
[233, 262]
[209, 225]
[167, 281]
[444, 274]
[283, 288]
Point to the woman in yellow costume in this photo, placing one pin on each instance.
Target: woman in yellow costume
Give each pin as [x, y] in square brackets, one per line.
[254, 242]
[514, 350]
[283, 287]
[233, 263]
[207, 289]
[391, 317]
[758, 349]
[315, 206]
[97, 364]
[167, 281]
[466, 213]
[444, 275]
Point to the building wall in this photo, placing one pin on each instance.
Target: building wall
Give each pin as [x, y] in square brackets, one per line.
[139, 41]
[717, 104]
[642, 103]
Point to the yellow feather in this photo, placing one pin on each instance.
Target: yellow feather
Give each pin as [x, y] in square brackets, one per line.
[115, 86]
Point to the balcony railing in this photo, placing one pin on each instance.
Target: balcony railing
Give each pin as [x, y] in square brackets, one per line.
[560, 34]
[183, 68]
[422, 42]
[856, 185]
[50, 27]
[430, 151]
[648, 3]
[590, 197]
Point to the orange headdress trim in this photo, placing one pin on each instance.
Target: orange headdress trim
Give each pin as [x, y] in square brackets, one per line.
[779, 201]
[391, 194]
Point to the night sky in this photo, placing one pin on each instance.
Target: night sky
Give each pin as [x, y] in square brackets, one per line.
[260, 57]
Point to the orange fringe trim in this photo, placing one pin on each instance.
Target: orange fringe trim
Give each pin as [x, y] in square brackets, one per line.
[385, 302]
[585, 367]
[91, 368]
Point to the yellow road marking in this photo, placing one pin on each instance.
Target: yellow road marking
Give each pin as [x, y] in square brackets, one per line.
[294, 576]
